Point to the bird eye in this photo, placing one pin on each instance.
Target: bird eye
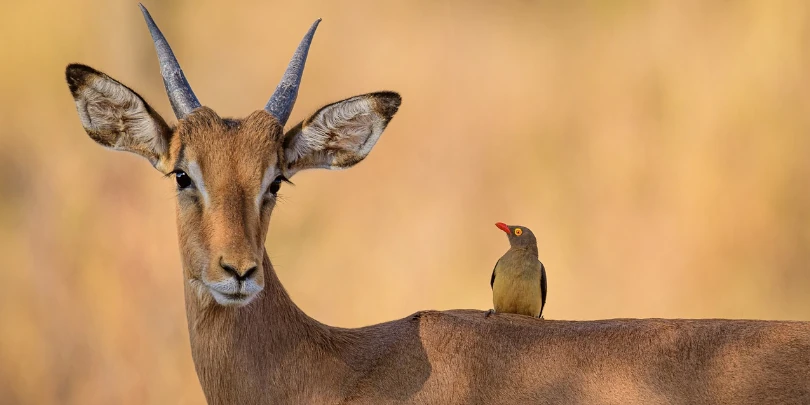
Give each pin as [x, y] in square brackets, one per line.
[276, 185]
[518, 231]
[183, 180]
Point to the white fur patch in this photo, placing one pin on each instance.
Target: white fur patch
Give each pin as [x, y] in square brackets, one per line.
[268, 178]
[251, 287]
[222, 291]
[196, 176]
[225, 286]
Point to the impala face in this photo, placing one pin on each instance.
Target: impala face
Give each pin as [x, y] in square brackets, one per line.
[227, 171]
[228, 175]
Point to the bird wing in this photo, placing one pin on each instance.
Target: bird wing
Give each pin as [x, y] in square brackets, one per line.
[543, 287]
[492, 280]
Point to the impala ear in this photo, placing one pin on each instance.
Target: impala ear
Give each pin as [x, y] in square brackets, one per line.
[341, 134]
[116, 117]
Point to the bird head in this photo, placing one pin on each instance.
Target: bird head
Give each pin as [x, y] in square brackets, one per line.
[519, 236]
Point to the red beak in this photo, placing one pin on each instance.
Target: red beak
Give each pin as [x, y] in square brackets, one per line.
[502, 226]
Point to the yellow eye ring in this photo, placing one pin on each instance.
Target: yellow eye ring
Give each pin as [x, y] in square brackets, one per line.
[518, 231]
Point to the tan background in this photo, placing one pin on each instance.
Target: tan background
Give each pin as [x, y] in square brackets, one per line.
[659, 150]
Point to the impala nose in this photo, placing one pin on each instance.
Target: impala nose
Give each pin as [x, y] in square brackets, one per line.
[241, 273]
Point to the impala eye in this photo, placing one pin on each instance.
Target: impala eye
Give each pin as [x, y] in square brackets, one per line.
[183, 181]
[276, 185]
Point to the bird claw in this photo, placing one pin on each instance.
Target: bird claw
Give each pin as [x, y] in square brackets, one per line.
[490, 312]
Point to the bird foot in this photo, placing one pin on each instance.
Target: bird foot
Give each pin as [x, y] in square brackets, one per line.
[490, 312]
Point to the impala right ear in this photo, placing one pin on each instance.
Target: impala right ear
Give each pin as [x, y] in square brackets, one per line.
[118, 118]
[340, 134]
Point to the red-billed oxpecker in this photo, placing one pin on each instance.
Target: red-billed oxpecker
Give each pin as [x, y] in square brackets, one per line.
[519, 279]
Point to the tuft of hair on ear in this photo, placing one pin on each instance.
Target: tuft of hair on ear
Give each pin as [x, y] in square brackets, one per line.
[77, 75]
[387, 103]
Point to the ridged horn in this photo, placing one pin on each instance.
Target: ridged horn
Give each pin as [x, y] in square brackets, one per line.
[180, 94]
[283, 99]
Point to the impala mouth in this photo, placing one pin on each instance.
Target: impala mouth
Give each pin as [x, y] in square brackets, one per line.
[232, 299]
[231, 291]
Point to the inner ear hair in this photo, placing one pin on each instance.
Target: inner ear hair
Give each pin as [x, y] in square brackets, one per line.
[341, 134]
[116, 117]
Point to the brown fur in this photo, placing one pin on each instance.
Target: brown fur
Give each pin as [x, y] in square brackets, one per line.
[270, 352]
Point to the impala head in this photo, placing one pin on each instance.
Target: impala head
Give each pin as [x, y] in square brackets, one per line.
[227, 171]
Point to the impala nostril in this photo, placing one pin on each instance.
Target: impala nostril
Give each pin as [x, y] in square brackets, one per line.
[235, 273]
[249, 273]
[229, 269]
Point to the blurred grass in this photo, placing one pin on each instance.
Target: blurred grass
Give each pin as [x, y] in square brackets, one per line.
[657, 149]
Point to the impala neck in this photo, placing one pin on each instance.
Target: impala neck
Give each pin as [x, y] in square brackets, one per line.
[236, 348]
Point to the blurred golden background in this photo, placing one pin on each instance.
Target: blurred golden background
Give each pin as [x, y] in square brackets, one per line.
[659, 150]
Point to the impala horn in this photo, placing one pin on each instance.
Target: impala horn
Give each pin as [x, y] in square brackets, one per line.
[180, 94]
[282, 101]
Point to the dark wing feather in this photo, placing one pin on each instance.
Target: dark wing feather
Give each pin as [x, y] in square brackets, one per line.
[492, 280]
[543, 287]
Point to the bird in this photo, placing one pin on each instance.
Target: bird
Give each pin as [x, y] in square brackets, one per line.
[519, 278]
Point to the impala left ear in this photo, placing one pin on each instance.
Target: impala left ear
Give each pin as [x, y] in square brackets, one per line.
[118, 118]
[340, 134]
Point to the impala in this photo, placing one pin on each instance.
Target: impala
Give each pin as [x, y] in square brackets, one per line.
[252, 345]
